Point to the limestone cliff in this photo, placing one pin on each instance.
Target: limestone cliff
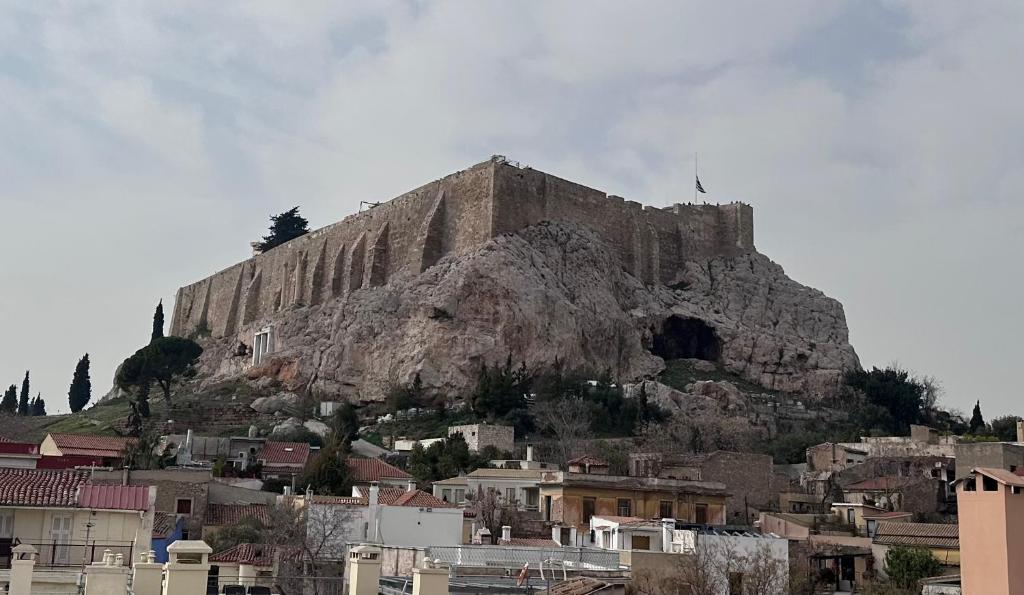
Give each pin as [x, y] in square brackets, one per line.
[552, 290]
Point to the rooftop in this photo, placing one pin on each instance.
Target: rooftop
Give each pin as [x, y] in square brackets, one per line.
[231, 514]
[367, 470]
[623, 482]
[67, 489]
[935, 535]
[388, 497]
[256, 554]
[284, 453]
[629, 521]
[101, 446]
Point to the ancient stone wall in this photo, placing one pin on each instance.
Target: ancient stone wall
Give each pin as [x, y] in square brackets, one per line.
[409, 234]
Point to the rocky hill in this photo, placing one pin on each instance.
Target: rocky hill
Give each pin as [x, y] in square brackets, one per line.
[551, 290]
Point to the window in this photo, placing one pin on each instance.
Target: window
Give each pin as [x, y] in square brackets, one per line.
[625, 507]
[547, 508]
[460, 495]
[988, 484]
[6, 524]
[510, 495]
[262, 344]
[446, 495]
[588, 509]
[665, 509]
[565, 536]
[183, 507]
[641, 542]
[700, 514]
[850, 516]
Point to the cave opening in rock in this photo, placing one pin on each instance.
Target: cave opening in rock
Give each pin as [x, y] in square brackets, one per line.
[684, 337]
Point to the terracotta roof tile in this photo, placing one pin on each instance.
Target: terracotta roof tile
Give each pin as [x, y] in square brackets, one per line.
[367, 470]
[389, 497]
[104, 446]
[284, 453]
[919, 534]
[32, 487]
[256, 554]
[231, 514]
[587, 460]
[339, 500]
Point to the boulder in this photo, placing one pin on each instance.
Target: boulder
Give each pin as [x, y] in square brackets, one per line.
[281, 402]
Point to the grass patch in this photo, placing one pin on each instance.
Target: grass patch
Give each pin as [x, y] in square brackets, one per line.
[679, 373]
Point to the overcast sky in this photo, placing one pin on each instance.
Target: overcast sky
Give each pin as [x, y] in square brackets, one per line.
[143, 146]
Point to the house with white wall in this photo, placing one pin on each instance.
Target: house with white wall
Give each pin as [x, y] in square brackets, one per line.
[513, 486]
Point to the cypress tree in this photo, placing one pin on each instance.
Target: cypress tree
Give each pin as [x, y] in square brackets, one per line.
[9, 404]
[158, 322]
[38, 405]
[977, 421]
[81, 387]
[23, 401]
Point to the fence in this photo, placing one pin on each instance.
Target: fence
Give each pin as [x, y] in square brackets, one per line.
[67, 554]
[516, 557]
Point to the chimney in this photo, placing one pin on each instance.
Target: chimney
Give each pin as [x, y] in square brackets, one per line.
[1020, 431]
[529, 452]
[374, 497]
[506, 534]
[411, 486]
[185, 449]
[253, 432]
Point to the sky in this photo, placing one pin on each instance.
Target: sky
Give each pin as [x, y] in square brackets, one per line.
[144, 145]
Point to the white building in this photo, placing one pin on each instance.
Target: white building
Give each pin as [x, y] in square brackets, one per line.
[388, 516]
[518, 486]
[727, 555]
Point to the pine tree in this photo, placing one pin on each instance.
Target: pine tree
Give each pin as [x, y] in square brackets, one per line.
[977, 421]
[158, 322]
[286, 226]
[9, 404]
[23, 400]
[81, 387]
[38, 405]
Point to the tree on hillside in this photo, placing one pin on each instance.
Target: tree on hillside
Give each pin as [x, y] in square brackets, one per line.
[284, 227]
[38, 406]
[568, 420]
[23, 401]
[162, 362]
[9, 404]
[895, 399]
[977, 421]
[328, 473]
[345, 424]
[1005, 428]
[158, 322]
[500, 390]
[81, 386]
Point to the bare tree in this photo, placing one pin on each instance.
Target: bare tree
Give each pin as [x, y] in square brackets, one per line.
[700, 433]
[568, 420]
[315, 534]
[714, 568]
[493, 513]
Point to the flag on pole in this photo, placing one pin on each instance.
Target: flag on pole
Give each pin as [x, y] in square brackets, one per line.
[699, 187]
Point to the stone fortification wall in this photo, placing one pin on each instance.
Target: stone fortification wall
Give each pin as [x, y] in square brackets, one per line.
[653, 243]
[409, 234]
[400, 237]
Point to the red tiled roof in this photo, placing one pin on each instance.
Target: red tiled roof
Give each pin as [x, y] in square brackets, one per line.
[256, 554]
[32, 487]
[587, 460]
[367, 470]
[339, 500]
[886, 515]
[284, 454]
[415, 498]
[104, 446]
[230, 514]
[113, 497]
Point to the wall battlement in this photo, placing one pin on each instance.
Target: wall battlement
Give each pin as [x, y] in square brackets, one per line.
[453, 215]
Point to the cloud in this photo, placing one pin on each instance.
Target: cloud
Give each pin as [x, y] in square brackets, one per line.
[144, 146]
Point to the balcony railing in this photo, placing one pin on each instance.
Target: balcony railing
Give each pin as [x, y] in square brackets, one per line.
[66, 553]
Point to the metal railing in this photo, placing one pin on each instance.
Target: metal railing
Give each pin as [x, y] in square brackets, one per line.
[66, 554]
[516, 557]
